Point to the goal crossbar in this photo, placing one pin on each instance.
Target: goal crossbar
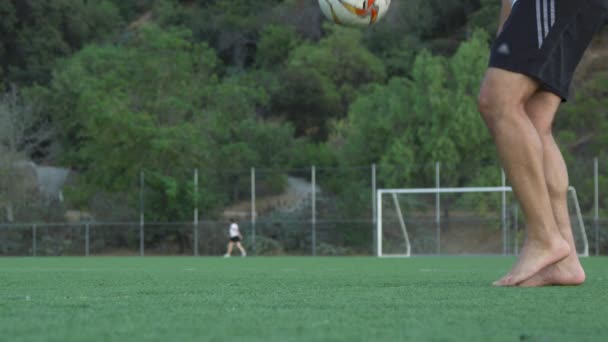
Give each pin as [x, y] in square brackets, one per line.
[497, 189]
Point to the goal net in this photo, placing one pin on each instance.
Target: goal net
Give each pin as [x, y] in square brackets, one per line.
[451, 221]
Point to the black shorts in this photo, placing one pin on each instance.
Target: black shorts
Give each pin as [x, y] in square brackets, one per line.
[235, 239]
[546, 39]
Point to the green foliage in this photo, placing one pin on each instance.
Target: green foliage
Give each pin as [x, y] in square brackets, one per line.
[275, 45]
[130, 9]
[265, 246]
[486, 17]
[167, 86]
[34, 34]
[582, 132]
[137, 107]
[326, 249]
[407, 125]
[307, 99]
[341, 57]
[591, 99]
[231, 27]
[305, 154]
[438, 25]
[321, 80]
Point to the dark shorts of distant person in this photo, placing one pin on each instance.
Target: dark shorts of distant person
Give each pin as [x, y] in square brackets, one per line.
[235, 239]
[546, 39]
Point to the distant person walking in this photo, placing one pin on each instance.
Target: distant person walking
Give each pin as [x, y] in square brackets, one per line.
[235, 238]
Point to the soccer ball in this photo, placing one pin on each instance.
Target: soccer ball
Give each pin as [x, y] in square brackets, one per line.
[354, 13]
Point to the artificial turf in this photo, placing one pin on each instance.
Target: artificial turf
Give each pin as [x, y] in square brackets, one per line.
[291, 299]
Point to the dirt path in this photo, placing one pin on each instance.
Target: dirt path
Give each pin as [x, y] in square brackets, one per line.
[296, 194]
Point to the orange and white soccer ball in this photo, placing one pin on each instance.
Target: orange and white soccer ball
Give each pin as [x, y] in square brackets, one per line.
[354, 13]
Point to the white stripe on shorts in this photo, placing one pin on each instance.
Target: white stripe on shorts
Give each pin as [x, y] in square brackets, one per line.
[552, 12]
[545, 19]
[539, 27]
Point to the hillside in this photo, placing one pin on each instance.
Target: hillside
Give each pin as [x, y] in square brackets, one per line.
[594, 61]
[164, 87]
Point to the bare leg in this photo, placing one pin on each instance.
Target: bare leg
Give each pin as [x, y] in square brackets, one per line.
[229, 252]
[240, 247]
[541, 109]
[501, 102]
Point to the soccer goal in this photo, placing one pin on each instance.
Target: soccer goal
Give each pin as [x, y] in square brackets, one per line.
[446, 221]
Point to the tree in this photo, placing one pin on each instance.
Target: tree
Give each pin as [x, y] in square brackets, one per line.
[581, 128]
[131, 9]
[35, 33]
[407, 125]
[275, 45]
[341, 57]
[231, 27]
[21, 134]
[486, 17]
[308, 99]
[410, 26]
[320, 81]
[157, 104]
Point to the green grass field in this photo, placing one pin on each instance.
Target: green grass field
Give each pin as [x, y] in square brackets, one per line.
[291, 299]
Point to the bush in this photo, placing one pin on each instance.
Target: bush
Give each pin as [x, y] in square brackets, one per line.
[326, 249]
[266, 246]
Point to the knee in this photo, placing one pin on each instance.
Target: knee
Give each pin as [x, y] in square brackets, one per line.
[545, 131]
[485, 104]
[489, 106]
[496, 107]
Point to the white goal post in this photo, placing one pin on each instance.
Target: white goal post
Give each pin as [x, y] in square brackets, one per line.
[437, 191]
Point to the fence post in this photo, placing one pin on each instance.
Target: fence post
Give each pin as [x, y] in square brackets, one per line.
[195, 212]
[374, 212]
[314, 212]
[596, 205]
[34, 240]
[86, 239]
[141, 213]
[379, 226]
[438, 206]
[516, 247]
[503, 212]
[253, 209]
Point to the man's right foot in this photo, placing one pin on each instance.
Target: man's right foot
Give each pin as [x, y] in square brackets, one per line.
[226, 255]
[567, 272]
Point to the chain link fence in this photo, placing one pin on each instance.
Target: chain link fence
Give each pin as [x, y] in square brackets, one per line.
[305, 211]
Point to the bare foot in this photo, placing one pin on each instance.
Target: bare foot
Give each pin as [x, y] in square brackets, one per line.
[566, 272]
[534, 257]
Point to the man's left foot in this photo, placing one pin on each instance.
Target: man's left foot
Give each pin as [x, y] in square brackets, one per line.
[534, 257]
